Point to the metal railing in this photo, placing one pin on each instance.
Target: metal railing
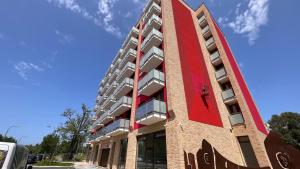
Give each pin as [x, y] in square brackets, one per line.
[154, 106]
[153, 75]
[153, 51]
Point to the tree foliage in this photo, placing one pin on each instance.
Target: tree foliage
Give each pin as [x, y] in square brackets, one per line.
[288, 125]
[49, 144]
[34, 149]
[7, 139]
[73, 131]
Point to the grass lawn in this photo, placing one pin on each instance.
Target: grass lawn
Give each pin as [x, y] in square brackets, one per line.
[48, 163]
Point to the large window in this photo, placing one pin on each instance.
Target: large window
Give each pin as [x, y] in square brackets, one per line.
[123, 151]
[152, 151]
[248, 152]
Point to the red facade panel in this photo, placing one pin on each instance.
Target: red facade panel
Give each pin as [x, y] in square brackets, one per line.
[200, 99]
[249, 100]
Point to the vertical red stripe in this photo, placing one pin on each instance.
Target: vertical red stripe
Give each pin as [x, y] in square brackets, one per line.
[253, 109]
[194, 71]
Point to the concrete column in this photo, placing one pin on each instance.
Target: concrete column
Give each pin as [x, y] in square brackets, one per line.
[115, 160]
[131, 151]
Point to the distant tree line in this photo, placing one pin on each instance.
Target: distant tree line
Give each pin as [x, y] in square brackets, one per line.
[67, 139]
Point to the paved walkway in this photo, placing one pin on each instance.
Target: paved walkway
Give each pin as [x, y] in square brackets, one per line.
[84, 165]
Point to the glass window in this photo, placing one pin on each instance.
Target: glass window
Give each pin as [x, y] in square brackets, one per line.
[152, 151]
[123, 151]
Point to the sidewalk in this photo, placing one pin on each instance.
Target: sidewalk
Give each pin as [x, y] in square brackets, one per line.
[84, 165]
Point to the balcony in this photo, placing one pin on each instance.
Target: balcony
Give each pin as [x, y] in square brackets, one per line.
[134, 32]
[236, 119]
[131, 44]
[210, 44]
[152, 7]
[202, 21]
[97, 124]
[228, 96]
[215, 58]
[151, 83]
[124, 88]
[206, 32]
[109, 102]
[118, 127]
[121, 106]
[152, 59]
[154, 38]
[151, 112]
[114, 76]
[100, 135]
[130, 56]
[154, 23]
[127, 71]
[104, 89]
[221, 75]
[111, 89]
[102, 99]
[105, 118]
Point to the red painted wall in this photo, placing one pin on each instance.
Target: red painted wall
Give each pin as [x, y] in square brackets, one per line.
[253, 109]
[194, 71]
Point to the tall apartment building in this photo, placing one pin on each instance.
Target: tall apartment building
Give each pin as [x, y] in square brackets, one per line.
[173, 84]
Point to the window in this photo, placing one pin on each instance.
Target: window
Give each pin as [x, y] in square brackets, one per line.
[248, 152]
[152, 151]
[123, 152]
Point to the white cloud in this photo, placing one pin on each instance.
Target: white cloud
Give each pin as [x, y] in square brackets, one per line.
[63, 37]
[250, 21]
[106, 14]
[103, 18]
[24, 68]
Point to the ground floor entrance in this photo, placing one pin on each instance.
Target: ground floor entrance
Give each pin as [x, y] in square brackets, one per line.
[152, 152]
[104, 157]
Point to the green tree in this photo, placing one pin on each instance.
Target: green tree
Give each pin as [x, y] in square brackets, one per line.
[74, 130]
[34, 149]
[288, 125]
[7, 139]
[49, 144]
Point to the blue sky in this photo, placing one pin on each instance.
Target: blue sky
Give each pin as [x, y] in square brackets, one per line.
[53, 53]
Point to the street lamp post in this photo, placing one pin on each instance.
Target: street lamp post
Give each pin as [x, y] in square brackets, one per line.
[10, 127]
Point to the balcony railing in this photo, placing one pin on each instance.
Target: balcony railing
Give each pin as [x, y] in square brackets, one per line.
[114, 75]
[134, 32]
[121, 106]
[131, 44]
[112, 88]
[154, 22]
[154, 38]
[153, 7]
[236, 119]
[152, 59]
[127, 71]
[215, 58]
[228, 96]
[97, 124]
[118, 127]
[109, 102]
[206, 32]
[221, 75]
[105, 118]
[210, 44]
[151, 112]
[151, 83]
[130, 56]
[124, 88]
[202, 21]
